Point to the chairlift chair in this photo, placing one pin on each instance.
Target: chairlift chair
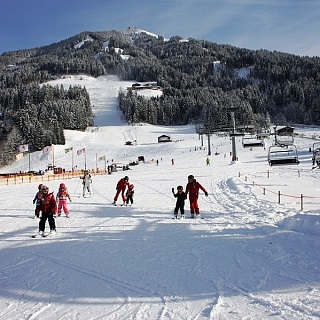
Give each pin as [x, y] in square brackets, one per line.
[251, 141]
[283, 155]
[316, 155]
[284, 140]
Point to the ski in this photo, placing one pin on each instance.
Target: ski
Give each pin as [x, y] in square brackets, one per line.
[188, 218]
[39, 236]
[45, 235]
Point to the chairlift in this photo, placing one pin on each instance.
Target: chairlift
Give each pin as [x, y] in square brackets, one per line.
[282, 155]
[284, 140]
[249, 141]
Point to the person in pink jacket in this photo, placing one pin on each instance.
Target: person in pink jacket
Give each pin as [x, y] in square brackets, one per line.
[122, 184]
[61, 198]
[192, 189]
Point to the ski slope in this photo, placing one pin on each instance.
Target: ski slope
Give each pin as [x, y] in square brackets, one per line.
[248, 258]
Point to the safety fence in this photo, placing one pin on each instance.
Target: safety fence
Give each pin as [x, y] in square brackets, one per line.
[16, 179]
[278, 194]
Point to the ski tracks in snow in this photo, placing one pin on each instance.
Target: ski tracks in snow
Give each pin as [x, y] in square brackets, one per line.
[237, 203]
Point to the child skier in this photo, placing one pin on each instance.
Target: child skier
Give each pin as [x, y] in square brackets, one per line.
[48, 207]
[181, 197]
[129, 194]
[86, 182]
[37, 201]
[61, 198]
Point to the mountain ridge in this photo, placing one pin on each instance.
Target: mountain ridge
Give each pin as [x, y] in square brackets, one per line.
[201, 82]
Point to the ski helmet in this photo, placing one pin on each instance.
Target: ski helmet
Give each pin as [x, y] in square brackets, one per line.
[179, 188]
[45, 188]
[191, 177]
[40, 186]
[62, 185]
[131, 186]
[126, 178]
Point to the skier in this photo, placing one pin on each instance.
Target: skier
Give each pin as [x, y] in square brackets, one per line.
[208, 161]
[86, 182]
[121, 187]
[192, 189]
[129, 194]
[61, 198]
[48, 207]
[181, 197]
[37, 201]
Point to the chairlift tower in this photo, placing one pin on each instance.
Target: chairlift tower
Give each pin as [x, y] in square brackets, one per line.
[233, 138]
[208, 132]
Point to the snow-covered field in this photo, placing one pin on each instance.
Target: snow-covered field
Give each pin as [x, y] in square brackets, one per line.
[249, 258]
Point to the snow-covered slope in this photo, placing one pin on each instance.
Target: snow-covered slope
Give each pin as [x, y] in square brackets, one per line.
[249, 258]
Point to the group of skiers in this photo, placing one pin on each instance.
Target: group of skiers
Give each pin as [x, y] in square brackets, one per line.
[50, 206]
[126, 189]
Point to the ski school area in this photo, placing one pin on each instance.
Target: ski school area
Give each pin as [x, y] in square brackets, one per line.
[252, 253]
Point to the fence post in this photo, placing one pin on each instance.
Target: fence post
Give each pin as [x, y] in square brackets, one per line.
[268, 174]
[298, 173]
[245, 178]
[301, 201]
[264, 191]
[279, 197]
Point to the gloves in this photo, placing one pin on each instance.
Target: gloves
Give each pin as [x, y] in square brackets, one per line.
[172, 190]
[206, 193]
[33, 201]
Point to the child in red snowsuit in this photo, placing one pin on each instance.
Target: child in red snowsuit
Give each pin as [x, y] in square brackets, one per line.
[48, 207]
[61, 198]
[192, 189]
[121, 187]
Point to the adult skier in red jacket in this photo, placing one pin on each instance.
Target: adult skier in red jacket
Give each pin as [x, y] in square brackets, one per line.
[122, 184]
[192, 189]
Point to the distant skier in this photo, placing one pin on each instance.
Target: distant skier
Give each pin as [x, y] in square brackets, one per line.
[122, 184]
[208, 161]
[129, 194]
[37, 201]
[48, 207]
[181, 197]
[61, 198]
[192, 189]
[86, 182]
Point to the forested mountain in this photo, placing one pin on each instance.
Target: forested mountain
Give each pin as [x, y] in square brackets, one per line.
[201, 82]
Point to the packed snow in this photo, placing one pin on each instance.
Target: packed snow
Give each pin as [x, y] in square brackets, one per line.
[254, 255]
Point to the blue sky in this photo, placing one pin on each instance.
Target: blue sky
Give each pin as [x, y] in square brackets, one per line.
[283, 25]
